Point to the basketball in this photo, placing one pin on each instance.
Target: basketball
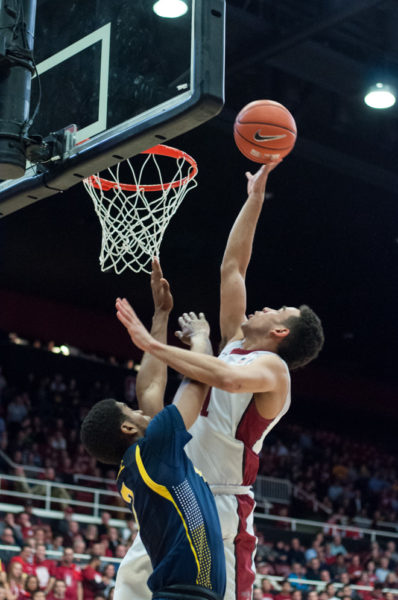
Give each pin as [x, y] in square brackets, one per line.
[265, 131]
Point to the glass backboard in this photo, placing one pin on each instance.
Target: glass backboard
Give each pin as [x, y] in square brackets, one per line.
[125, 76]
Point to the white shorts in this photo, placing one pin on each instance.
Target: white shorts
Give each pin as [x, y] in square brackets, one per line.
[236, 517]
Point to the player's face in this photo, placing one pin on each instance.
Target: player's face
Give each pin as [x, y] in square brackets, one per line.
[269, 318]
[135, 417]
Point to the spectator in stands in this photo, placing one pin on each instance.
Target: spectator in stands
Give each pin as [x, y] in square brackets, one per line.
[29, 515]
[325, 576]
[336, 547]
[120, 551]
[105, 523]
[17, 410]
[38, 595]
[257, 593]
[297, 595]
[355, 569]
[113, 538]
[295, 553]
[44, 568]
[314, 569]
[298, 572]
[58, 591]
[370, 572]
[92, 578]
[24, 519]
[338, 566]
[312, 595]
[266, 589]
[391, 581]
[312, 552]
[331, 591]
[382, 570]
[31, 585]
[25, 558]
[9, 521]
[285, 592]
[15, 579]
[57, 543]
[7, 539]
[109, 578]
[79, 546]
[71, 574]
[90, 534]
[71, 533]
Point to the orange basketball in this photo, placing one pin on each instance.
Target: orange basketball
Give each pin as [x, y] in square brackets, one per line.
[265, 131]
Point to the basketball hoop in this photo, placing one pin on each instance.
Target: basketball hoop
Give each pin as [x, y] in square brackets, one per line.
[134, 216]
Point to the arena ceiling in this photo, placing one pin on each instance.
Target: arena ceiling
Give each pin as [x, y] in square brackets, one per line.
[328, 235]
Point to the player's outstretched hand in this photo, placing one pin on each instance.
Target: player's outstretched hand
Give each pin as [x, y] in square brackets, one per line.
[162, 298]
[256, 183]
[138, 333]
[191, 326]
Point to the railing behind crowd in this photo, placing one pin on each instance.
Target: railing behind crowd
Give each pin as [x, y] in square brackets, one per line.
[91, 501]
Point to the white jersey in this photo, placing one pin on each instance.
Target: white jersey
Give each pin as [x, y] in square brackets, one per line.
[228, 435]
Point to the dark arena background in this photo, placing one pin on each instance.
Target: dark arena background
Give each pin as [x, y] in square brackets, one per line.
[327, 491]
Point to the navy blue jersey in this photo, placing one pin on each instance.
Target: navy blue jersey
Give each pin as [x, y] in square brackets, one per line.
[173, 506]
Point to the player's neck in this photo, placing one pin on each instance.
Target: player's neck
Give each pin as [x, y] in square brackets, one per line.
[253, 343]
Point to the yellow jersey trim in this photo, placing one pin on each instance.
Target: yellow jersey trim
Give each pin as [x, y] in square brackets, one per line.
[162, 490]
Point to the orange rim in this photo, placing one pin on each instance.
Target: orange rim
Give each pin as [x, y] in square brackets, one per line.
[160, 150]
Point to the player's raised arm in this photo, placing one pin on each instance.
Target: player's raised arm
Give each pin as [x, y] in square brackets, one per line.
[152, 376]
[237, 256]
[190, 396]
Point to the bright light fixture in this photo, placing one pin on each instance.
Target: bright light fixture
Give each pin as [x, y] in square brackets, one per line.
[170, 9]
[380, 96]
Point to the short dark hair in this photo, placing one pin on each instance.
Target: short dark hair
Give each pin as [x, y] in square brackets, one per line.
[305, 339]
[101, 434]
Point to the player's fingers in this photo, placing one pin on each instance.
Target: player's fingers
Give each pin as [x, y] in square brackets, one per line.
[202, 316]
[193, 315]
[181, 322]
[186, 317]
[165, 283]
[178, 334]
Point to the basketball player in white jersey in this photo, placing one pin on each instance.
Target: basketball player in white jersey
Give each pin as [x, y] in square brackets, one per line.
[250, 393]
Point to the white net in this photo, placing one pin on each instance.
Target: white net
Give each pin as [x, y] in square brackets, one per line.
[134, 217]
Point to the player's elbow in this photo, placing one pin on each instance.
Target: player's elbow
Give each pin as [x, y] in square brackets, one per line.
[229, 266]
[231, 384]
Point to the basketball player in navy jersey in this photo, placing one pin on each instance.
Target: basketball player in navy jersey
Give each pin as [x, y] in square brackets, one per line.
[250, 393]
[170, 500]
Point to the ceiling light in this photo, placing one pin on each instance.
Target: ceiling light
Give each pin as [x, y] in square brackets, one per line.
[380, 96]
[170, 9]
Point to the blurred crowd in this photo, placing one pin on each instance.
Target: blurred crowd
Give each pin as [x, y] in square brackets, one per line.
[65, 559]
[60, 559]
[355, 481]
[327, 561]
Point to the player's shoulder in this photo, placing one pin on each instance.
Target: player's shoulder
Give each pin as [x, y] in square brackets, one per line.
[274, 361]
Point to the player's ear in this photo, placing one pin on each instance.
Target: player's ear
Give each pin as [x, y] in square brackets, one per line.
[280, 332]
[128, 427]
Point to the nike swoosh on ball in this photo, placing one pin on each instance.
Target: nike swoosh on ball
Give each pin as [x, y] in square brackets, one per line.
[264, 138]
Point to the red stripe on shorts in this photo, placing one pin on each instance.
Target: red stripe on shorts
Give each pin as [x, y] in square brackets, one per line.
[245, 545]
